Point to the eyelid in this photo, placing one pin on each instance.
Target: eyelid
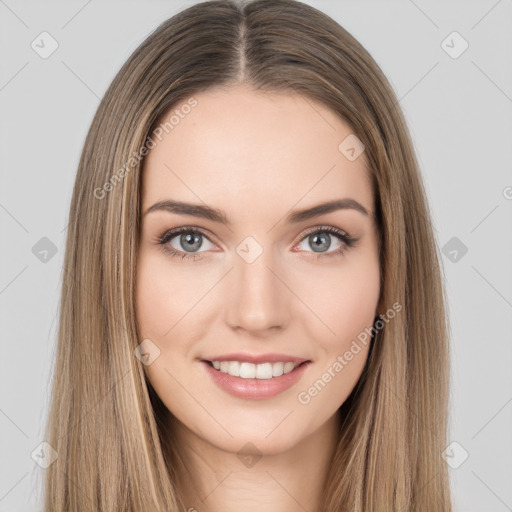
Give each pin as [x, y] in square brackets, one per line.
[324, 227]
[345, 238]
[172, 233]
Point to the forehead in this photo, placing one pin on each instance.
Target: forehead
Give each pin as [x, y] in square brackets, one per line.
[243, 147]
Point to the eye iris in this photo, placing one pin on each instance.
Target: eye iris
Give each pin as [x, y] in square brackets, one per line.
[324, 244]
[188, 239]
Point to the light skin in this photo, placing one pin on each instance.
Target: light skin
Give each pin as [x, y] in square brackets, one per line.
[257, 157]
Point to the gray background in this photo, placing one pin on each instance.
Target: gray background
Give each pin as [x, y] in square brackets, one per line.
[459, 113]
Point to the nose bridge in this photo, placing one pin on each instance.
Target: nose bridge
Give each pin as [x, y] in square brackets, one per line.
[257, 297]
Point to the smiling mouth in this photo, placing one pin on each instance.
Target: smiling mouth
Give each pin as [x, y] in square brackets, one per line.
[263, 371]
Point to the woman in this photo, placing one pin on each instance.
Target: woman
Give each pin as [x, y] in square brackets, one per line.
[299, 360]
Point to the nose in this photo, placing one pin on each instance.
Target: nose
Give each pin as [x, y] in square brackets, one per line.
[257, 296]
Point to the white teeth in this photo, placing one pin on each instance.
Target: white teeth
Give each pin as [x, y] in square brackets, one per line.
[264, 371]
[277, 369]
[247, 371]
[288, 367]
[251, 371]
[234, 368]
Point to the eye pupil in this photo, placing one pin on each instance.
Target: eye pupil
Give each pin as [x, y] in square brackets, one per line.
[324, 244]
[190, 239]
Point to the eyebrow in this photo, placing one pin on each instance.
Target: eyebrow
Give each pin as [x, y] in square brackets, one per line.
[216, 215]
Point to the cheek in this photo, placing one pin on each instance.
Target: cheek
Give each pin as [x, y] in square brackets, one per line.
[348, 310]
[347, 303]
[165, 294]
[346, 306]
[154, 302]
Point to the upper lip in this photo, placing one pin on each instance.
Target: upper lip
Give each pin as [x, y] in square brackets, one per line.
[257, 358]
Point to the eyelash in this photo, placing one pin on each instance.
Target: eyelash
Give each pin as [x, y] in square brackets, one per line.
[163, 240]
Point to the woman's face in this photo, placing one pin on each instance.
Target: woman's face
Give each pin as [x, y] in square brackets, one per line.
[251, 279]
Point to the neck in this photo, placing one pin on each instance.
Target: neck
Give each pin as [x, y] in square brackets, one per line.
[213, 479]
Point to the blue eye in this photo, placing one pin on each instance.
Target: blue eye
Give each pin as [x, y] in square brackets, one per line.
[188, 237]
[320, 239]
[192, 239]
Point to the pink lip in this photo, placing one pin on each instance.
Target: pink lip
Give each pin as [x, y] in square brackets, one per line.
[257, 359]
[255, 389]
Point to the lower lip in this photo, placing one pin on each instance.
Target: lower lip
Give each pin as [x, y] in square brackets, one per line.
[255, 389]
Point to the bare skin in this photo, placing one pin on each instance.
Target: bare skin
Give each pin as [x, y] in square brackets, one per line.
[257, 157]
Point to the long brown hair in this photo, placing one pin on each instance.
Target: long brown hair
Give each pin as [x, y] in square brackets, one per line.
[105, 422]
